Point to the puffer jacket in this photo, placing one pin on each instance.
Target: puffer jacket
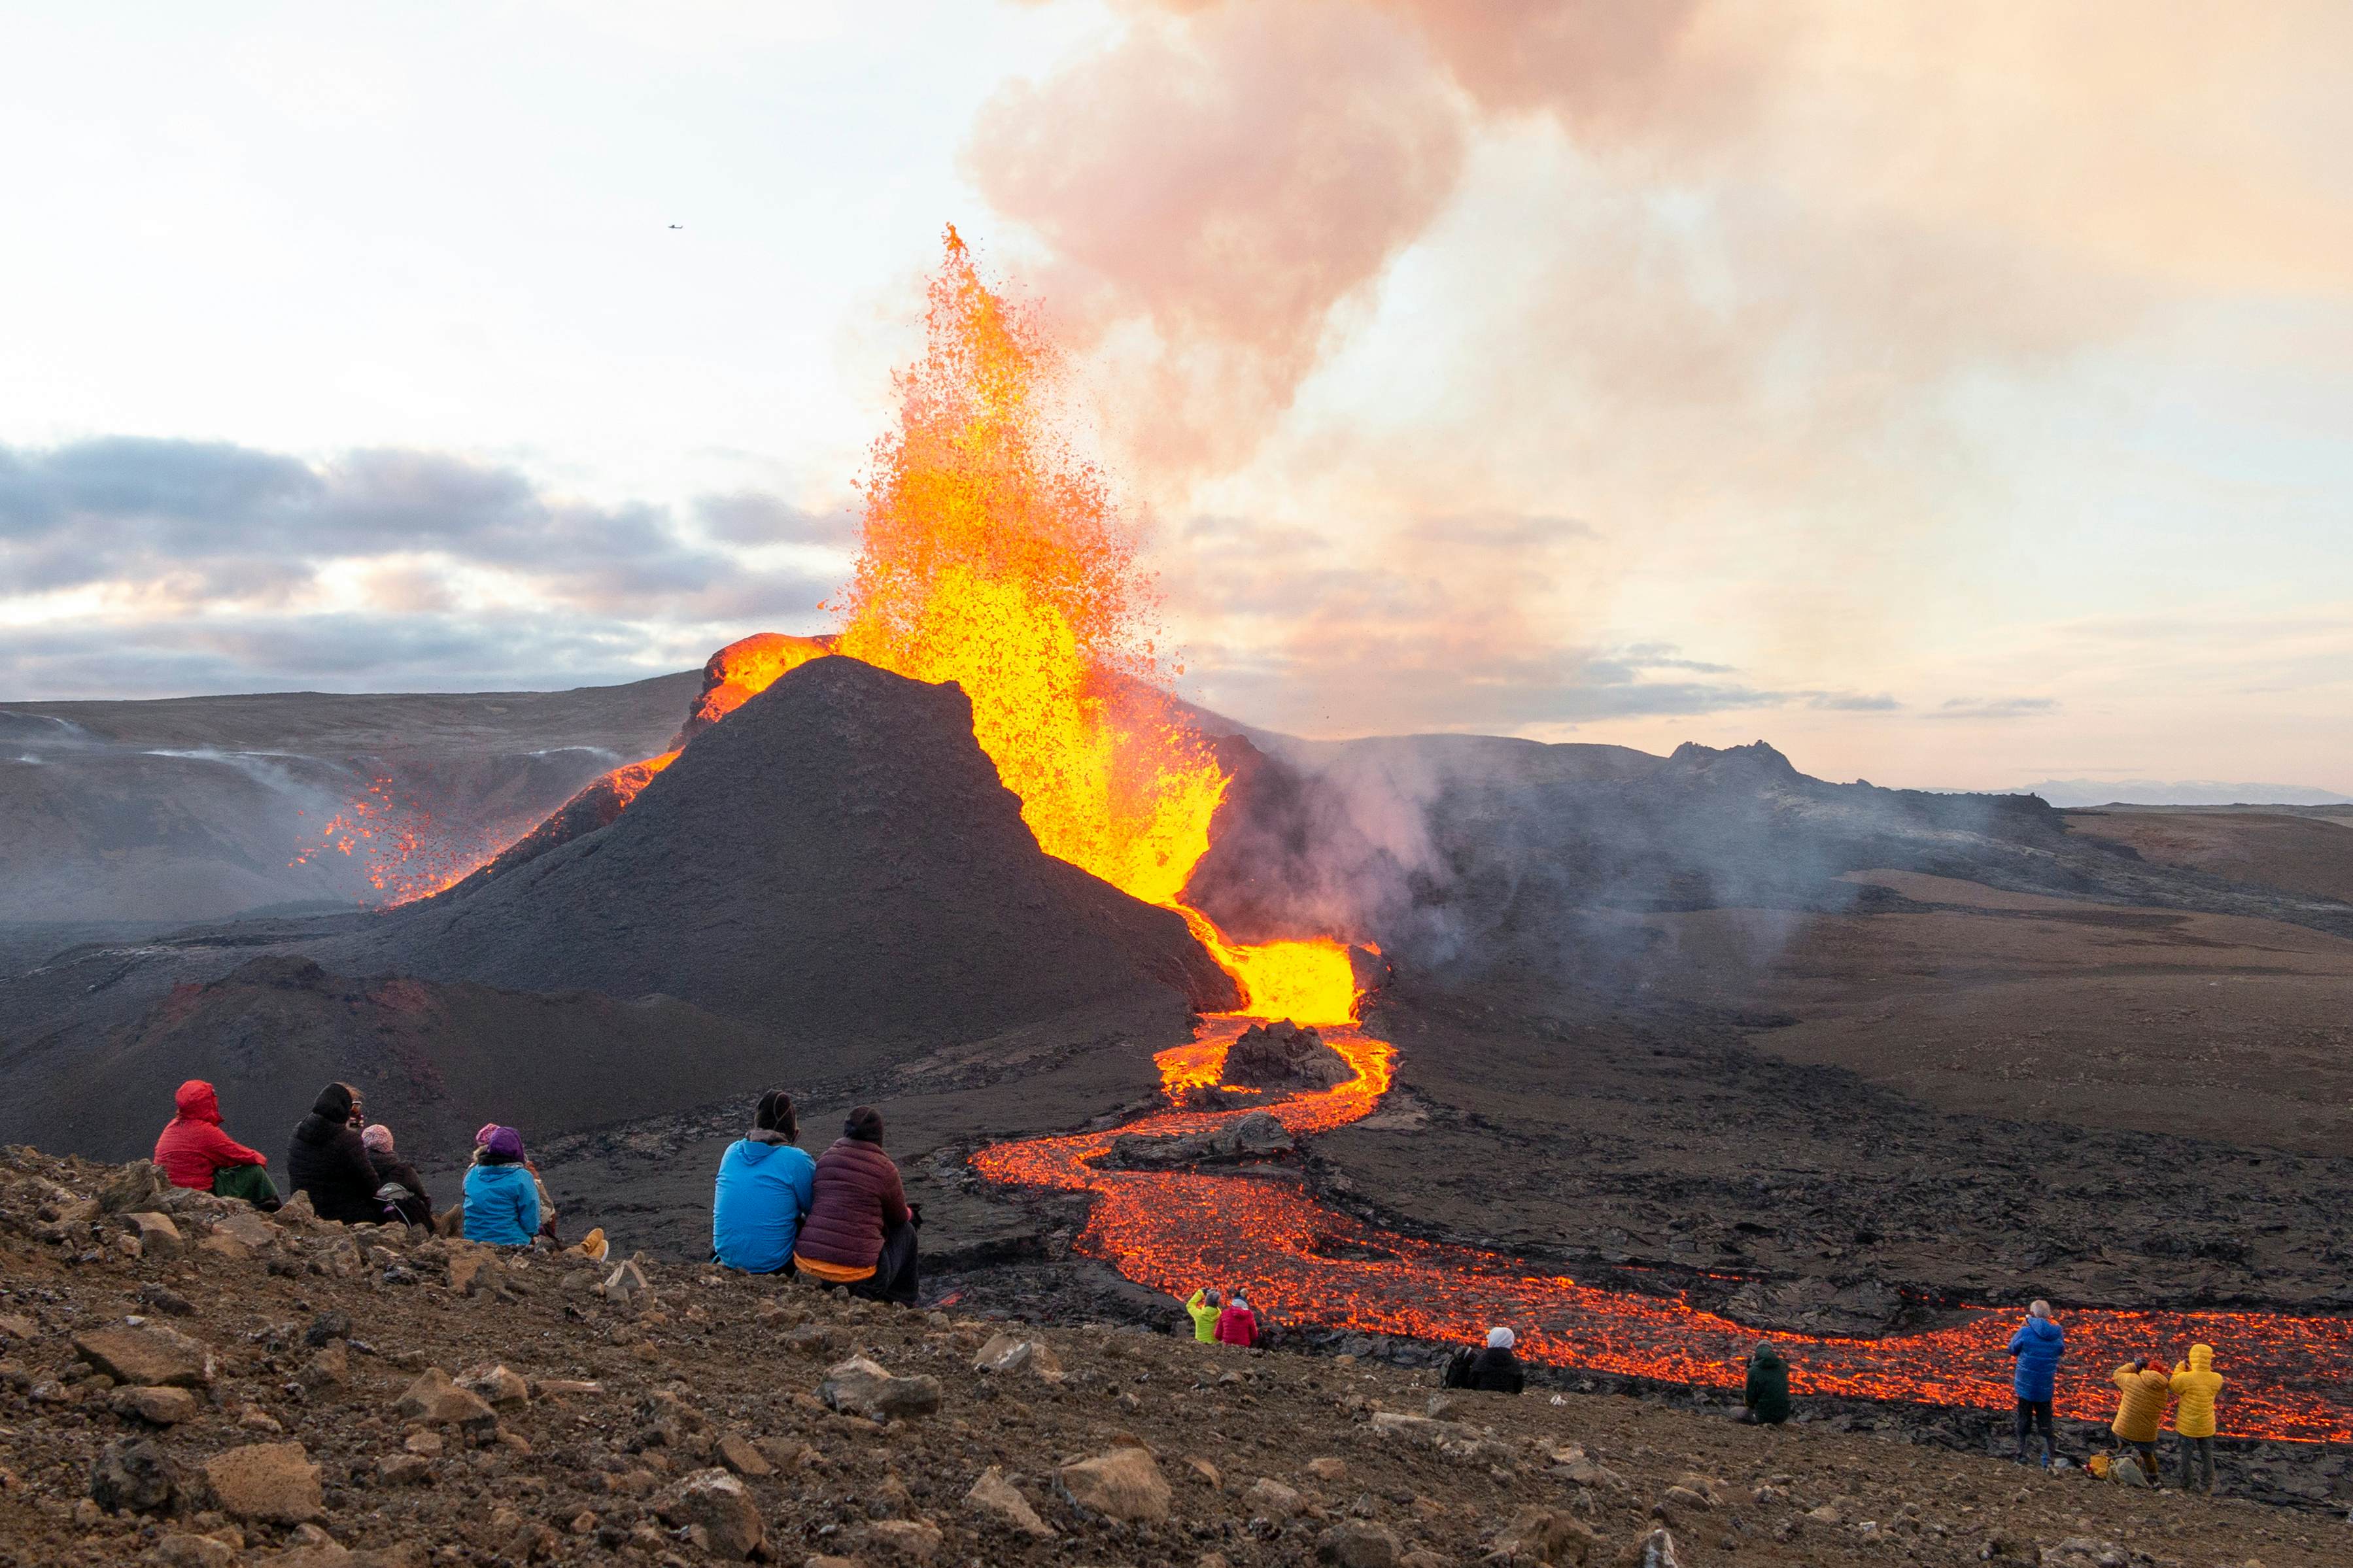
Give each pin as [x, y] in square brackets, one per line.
[855, 1197]
[417, 1209]
[501, 1204]
[2198, 1384]
[1238, 1325]
[2143, 1404]
[2038, 1345]
[328, 1161]
[1204, 1316]
[763, 1187]
[1495, 1370]
[1767, 1388]
[193, 1146]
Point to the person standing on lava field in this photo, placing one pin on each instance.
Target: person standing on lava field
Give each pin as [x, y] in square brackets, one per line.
[1238, 1325]
[1765, 1394]
[1496, 1369]
[2139, 1409]
[2197, 1384]
[861, 1230]
[2038, 1345]
[195, 1153]
[328, 1161]
[763, 1191]
[1203, 1310]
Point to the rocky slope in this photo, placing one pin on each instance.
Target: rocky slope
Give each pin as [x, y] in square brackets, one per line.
[184, 1383]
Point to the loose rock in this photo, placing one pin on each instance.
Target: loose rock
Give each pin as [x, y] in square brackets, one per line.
[273, 1482]
[1124, 1484]
[994, 1496]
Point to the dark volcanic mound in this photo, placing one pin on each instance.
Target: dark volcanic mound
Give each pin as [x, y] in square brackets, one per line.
[435, 1061]
[838, 861]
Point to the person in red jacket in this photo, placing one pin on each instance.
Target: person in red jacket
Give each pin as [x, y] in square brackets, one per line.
[1238, 1325]
[861, 1230]
[195, 1153]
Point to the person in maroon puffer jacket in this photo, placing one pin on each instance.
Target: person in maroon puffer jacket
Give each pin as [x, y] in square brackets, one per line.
[861, 1230]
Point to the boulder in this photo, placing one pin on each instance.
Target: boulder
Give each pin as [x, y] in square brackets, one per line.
[1255, 1136]
[993, 1495]
[499, 1385]
[718, 1505]
[327, 1370]
[156, 1406]
[246, 1226]
[1453, 1438]
[627, 1288]
[903, 1540]
[1328, 1469]
[862, 1388]
[1360, 1544]
[1269, 1498]
[1017, 1353]
[1123, 1484]
[1656, 1550]
[1281, 1055]
[740, 1454]
[141, 1185]
[136, 1474]
[434, 1398]
[274, 1483]
[158, 1236]
[182, 1551]
[1545, 1535]
[149, 1355]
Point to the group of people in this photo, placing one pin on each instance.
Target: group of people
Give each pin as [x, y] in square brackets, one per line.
[1223, 1319]
[2193, 1387]
[352, 1171]
[841, 1219]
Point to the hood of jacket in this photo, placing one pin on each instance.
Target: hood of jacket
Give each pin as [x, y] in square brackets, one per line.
[198, 1102]
[1767, 1357]
[758, 1148]
[2043, 1328]
[2202, 1358]
[317, 1128]
[334, 1102]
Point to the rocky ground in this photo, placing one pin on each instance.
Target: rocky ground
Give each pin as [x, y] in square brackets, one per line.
[183, 1382]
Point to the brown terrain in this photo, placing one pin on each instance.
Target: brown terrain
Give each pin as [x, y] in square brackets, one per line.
[186, 1383]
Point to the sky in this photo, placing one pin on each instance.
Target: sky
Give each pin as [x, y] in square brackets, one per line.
[1951, 395]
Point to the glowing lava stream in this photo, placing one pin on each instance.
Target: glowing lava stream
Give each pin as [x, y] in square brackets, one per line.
[2291, 1378]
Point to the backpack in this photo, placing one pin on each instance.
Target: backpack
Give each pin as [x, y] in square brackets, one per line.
[1458, 1369]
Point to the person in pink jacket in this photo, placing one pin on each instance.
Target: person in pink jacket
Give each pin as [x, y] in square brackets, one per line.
[195, 1153]
[1238, 1325]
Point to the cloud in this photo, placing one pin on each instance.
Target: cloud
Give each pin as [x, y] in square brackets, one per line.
[1995, 707]
[131, 566]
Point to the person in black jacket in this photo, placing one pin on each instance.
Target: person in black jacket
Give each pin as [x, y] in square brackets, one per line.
[1765, 1394]
[1496, 1370]
[411, 1202]
[328, 1161]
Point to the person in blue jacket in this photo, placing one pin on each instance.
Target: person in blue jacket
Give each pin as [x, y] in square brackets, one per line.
[501, 1195]
[763, 1191]
[2038, 1345]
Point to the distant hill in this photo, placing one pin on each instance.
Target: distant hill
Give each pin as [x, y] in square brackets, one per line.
[2065, 793]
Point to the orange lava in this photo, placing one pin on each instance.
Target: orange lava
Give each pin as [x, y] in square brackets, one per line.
[631, 777]
[2291, 1378]
[404, 852]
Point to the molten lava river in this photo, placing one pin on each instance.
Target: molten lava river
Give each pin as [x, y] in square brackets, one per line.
[1261, 1230]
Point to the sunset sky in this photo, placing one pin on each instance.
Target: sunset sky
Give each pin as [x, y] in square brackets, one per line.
[1952, 396]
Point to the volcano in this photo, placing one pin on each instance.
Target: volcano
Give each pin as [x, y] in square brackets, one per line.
[838, 862]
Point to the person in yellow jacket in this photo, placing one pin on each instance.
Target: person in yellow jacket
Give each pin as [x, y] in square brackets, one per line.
[2195, 1384]
[2139, 1411]
[1203, 1310]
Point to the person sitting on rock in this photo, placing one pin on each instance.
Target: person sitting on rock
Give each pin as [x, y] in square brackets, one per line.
[861, 1230]
[1496, 1369]
[2038, 1345]
[2196, 1383]
[2139, 1409]
[763, 1191]
[501, 1193]
[1764, 1396]
[1238, 1325]
[195, 1153]
[1203, 1310]
[400, 1190]
[328, 1161]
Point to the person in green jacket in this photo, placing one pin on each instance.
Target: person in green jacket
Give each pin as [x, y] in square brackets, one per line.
[1203, 1310]
[1765, 1397]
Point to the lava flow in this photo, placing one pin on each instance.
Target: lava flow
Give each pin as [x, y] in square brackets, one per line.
[1261, 1231]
